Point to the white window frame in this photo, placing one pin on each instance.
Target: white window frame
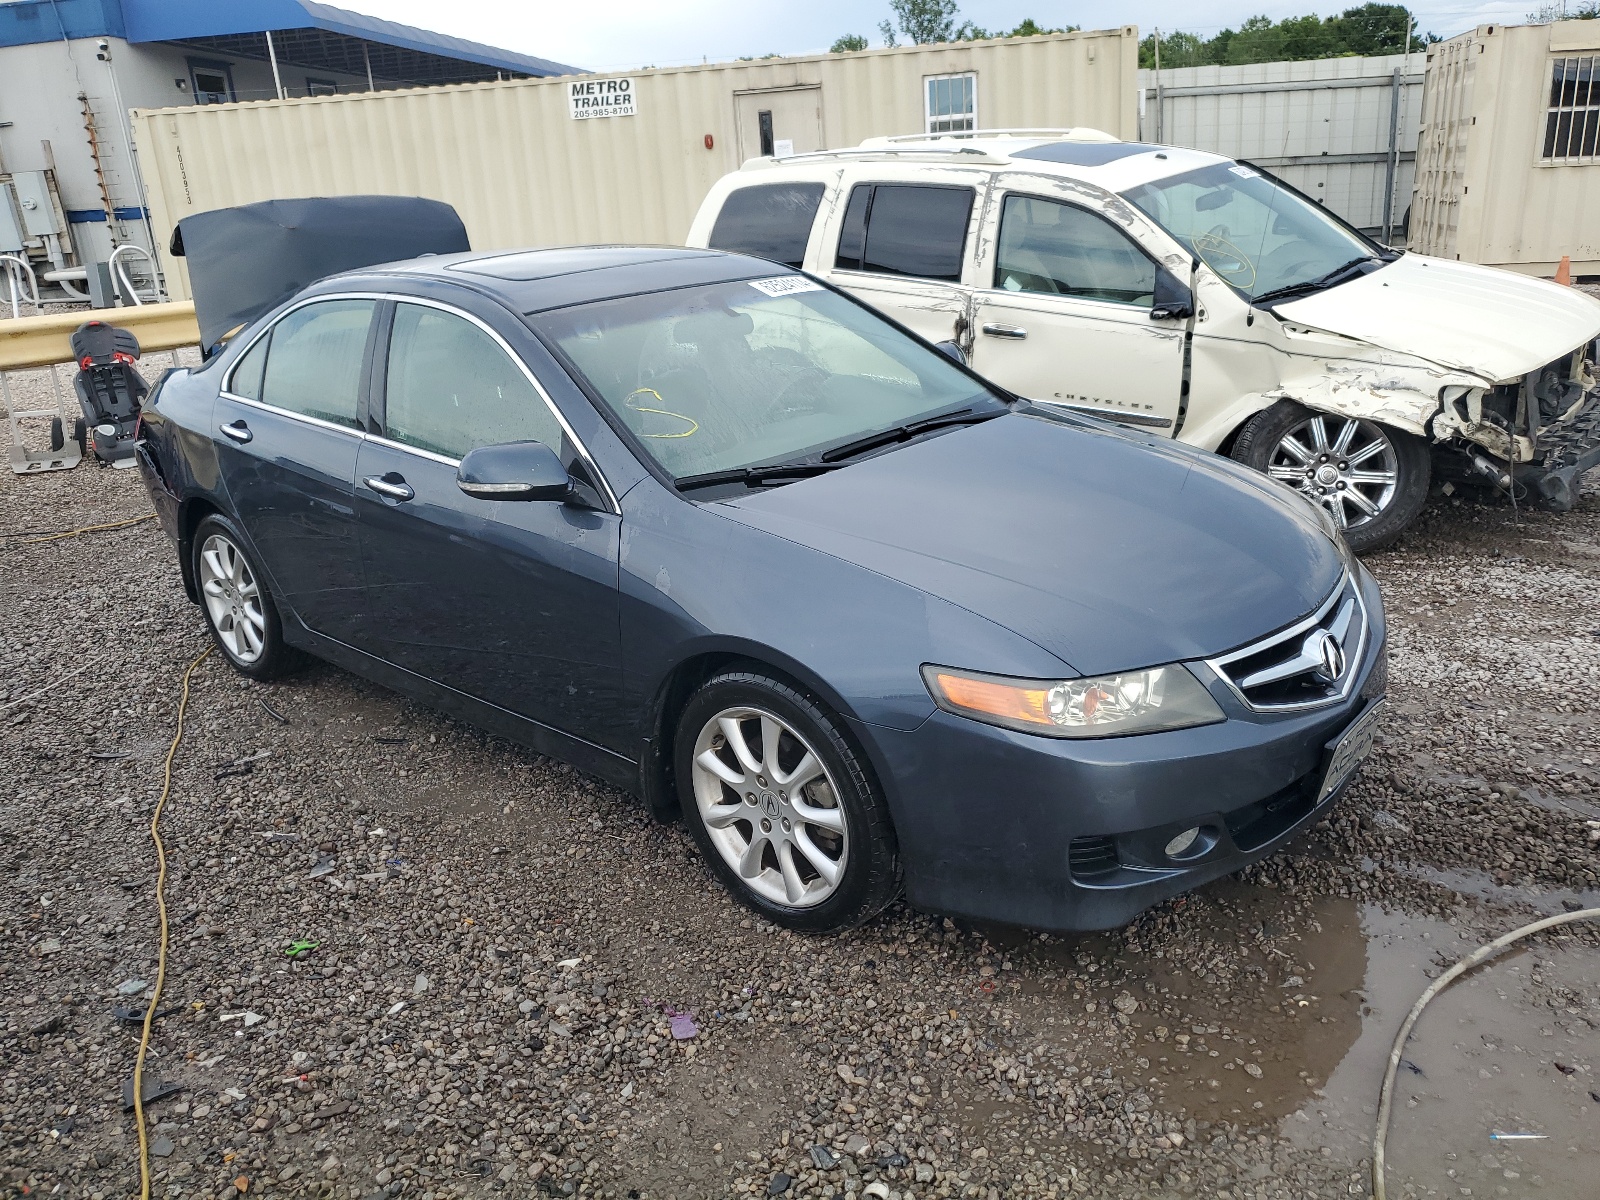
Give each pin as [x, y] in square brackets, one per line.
[928, 117]
[1579, 113]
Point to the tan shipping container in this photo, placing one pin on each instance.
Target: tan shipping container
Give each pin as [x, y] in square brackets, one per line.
[523, 171]
[1508, 165]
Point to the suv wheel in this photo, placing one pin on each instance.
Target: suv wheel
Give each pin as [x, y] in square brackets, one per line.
[1371, 478]
[239, 609]
[781, 805]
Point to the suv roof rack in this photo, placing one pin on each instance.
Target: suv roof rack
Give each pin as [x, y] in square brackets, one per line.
[1079, 134]
[967, 153]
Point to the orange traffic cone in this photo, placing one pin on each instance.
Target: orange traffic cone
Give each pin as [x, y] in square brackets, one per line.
[1564, 271]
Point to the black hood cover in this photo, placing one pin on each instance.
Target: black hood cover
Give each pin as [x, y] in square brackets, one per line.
[245, 261]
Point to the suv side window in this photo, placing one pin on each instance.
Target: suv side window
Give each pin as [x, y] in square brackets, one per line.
[1063, 250]
[903, 229]
[772, 220]
[314, 360]
[450, 388]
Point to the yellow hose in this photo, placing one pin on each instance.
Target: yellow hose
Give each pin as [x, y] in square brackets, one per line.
[86, 529]
[161, 907]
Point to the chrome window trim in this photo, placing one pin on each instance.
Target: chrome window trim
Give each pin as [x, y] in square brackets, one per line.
[1348, 583]
[583, 451]
[359, 434]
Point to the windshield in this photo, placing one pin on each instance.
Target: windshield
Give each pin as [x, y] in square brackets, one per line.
[762, 371]
[1257, 236]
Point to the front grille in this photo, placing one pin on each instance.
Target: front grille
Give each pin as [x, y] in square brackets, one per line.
[1311, 663]
[1092, 856]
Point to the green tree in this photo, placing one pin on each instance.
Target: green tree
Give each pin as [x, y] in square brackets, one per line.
[849, 42]
[921, 21]
[1586, 10]
[1370, 29]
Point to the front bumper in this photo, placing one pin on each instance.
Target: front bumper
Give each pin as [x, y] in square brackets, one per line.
[1562, 453]
[1068, 835]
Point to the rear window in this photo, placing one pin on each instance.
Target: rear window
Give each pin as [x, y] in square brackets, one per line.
[770, 221]
[894, 229]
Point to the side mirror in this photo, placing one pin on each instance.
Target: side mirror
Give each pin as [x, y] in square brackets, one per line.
[951, 351]
[1173, 301]
[514, 471]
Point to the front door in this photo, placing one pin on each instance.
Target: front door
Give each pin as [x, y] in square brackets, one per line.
[288, 430]
[1065, 315]
[514, 603]
[902, 248]
[781, 123]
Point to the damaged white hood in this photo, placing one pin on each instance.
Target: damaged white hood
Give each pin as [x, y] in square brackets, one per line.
[1495, 324]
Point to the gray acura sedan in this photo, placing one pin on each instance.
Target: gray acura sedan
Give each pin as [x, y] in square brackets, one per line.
[726, 538]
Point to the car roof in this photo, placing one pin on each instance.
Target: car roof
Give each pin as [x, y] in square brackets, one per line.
[533, 281]
[1088, 155]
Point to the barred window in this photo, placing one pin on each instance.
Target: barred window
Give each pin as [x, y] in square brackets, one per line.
[952, 103]
[1572, 126]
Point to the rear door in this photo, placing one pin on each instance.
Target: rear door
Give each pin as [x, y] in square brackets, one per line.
[1064, 313]
[288, 431]
[781, 122]
[512, 602]
[902, 246]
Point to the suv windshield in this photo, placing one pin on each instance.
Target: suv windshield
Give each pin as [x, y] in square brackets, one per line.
[1258, 236]
[754, 373]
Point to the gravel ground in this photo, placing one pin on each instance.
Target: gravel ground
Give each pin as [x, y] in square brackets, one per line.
[501, 942]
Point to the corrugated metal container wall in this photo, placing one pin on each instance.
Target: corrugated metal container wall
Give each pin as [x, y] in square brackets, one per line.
[1508, 169]
[522, 172]
[1323, 126]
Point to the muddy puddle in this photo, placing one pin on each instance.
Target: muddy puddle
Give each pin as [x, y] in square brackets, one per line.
[1296, 1035]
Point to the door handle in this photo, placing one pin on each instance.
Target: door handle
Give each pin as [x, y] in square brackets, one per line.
[391, 485]
[238, 431]
[1015, 332]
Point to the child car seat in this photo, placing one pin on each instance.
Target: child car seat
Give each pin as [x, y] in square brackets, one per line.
[109, 391]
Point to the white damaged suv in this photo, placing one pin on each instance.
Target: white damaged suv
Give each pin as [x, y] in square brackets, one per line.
[1198, 298]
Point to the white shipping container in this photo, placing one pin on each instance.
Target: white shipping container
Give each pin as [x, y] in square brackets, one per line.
[528, 163]
[1508, 166]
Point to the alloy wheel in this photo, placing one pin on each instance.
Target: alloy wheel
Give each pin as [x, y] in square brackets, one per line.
[232, 598]
[770, 807]
[1349, 466]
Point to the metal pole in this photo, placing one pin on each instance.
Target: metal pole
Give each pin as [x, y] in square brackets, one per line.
[1160, 103]
[1393, 162]
[366, 54]
[272, 56]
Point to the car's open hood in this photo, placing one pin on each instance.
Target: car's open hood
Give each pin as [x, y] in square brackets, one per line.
[246, 261]
[1110, 553]
[1495, 324]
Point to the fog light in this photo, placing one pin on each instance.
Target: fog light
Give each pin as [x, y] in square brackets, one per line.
[1182, 842]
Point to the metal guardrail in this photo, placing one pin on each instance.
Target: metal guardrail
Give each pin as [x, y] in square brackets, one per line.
[30, 343]
[47, 340]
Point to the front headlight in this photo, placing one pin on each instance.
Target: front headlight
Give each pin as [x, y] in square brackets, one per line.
[1108, 706]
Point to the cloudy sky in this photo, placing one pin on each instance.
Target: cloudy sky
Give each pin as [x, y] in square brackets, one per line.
[631, 33]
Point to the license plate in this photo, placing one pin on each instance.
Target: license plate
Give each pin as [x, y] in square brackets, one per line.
[1349, 750]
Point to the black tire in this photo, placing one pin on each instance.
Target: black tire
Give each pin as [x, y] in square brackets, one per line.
[275, 656]
[58, 437]
[1259, 441]
[80, 434]
[870, 876]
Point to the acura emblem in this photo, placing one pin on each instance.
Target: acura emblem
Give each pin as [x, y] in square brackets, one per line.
[1331, 655]
[769, 805]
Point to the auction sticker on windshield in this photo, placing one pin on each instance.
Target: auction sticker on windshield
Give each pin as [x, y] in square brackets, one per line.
[785, 285]
[1349, 751]
[602, 98]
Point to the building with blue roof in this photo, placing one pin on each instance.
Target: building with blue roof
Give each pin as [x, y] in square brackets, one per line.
[70, 188]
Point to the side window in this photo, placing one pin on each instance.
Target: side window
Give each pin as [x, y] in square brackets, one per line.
[895, 229]
[451, 388]
[246, 379]
[314, 360]
[770, 221]
[1063, 250]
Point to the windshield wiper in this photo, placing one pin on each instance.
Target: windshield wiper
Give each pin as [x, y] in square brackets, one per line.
[901, 433]
[1335, 276]
[754, 476]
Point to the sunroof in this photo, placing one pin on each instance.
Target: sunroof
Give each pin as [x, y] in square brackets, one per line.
[1085, 154]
